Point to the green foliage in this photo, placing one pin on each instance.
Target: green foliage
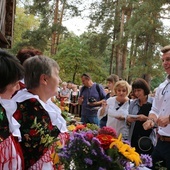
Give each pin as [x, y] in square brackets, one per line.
[143, 31]
[96, 51]
[159, 166]
[156, 81]
[23, 23]
[114, 154]
[40, 37]
[148, 32]
[74, 59]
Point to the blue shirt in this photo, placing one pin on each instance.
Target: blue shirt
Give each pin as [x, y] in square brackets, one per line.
[89, 92]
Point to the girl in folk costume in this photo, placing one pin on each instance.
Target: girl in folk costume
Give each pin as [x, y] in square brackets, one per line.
[10, 73]
[74, 100]
[34, 103]
[64, 94]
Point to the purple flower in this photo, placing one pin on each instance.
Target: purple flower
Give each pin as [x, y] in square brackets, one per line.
[124, 162]
[96, 141]
[126, 142]
[146, 160]
[127, 166]
[100, 168]
[93, 152]
[64, 155]
[80, 137]
[84, 151]
[88, 161]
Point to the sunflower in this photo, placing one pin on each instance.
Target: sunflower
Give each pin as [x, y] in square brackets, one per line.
[126, 150]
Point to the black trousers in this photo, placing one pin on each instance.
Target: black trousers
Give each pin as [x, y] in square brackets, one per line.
[161, 155]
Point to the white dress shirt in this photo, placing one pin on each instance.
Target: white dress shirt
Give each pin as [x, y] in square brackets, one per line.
[161, 105]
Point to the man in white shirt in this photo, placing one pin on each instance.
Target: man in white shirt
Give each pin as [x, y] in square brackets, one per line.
[160, 116]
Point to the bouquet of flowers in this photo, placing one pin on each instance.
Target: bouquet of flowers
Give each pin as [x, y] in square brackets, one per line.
[92, 148]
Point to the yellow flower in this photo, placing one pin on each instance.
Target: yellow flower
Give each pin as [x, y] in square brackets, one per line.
[126, 150]
[66, 108]
[71, 127]
[123, 148]
[59, 145]
[55, 158]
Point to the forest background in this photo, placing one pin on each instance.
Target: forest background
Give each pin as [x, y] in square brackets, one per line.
[124, 37]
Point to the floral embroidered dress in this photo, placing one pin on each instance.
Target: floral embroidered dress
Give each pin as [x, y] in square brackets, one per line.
[37, 154]
[10, 152]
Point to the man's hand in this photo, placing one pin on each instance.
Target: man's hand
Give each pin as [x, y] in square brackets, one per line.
[80, 100]
[163, 121]
[148, 124]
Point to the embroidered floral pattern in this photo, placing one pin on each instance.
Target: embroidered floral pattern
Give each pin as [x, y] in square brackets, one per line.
[4, 128]
[33, 144]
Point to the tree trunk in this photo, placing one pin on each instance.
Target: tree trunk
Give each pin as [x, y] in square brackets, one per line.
[127, 11]
[60, 22]
[111, 60]
[53, 37]
[130, 63]
[118, 35]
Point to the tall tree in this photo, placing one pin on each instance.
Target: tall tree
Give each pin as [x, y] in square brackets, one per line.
[112, 17]
[148, 34]
[51, 13]
[74, 58]
[23, 22]
[136, 33]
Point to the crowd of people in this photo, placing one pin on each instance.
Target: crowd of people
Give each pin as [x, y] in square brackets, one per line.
[31, 80]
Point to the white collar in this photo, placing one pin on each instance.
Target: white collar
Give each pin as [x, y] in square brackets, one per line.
[10, 107]
[53, 110]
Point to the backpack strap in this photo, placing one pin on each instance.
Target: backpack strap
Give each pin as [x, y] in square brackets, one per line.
[97, 88]
[81, 90]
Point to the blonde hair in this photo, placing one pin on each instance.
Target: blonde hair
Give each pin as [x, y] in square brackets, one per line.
[64, 83]
[122, 83]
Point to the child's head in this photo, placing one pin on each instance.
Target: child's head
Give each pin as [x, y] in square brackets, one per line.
[111, 80]
[26, 53]
[74, 87]
[11, 71]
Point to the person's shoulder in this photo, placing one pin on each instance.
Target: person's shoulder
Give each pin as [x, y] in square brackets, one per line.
[83, 88]
[111, 99]
[160, 88]
[30, 101]
[101, 90]
[162, 85]
[107, 96]
[150, 99]
[134, 102]
[99, 85]
[24, 95]
[68, 90]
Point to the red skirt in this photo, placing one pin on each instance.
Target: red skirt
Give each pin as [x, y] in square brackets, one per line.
[11, 155]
